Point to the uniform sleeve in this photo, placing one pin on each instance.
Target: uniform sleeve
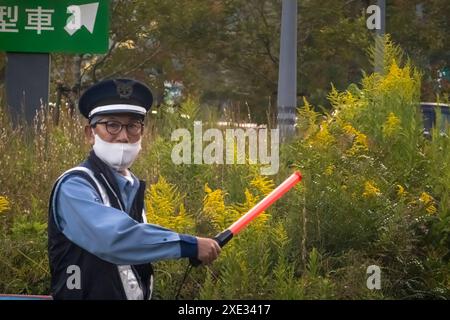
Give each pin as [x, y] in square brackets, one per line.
[111, 234]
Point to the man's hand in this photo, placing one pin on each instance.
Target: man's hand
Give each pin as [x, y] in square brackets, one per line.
[208, 250]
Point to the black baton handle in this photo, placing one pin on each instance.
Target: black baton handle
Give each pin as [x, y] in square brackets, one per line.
[222, 239]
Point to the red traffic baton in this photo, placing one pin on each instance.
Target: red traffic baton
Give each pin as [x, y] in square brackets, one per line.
[225, 236]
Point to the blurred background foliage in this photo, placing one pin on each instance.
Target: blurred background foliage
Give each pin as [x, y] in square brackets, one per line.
[225, 52]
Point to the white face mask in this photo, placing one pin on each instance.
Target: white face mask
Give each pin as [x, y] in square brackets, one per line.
[119, 156]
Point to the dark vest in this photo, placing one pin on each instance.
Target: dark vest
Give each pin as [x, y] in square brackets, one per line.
[99, 279]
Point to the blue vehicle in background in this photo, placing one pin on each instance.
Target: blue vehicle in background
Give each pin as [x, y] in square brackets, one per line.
[429, 114]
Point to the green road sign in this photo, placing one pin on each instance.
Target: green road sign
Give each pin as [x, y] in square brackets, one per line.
[74, 26]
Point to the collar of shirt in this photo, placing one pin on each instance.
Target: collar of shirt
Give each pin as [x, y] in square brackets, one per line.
[128, 187]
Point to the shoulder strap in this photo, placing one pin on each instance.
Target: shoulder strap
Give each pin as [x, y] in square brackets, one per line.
[87, 174]
[93, 180]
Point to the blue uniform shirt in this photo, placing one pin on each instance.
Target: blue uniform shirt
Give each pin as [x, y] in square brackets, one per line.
[111, 234]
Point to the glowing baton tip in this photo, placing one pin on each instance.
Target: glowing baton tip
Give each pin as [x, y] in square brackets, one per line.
[277, 193]
[299, 175]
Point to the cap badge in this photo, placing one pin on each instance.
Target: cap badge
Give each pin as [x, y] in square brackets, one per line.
[124, 89]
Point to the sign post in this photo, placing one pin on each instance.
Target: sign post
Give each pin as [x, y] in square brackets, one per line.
[31, 29]
[287, 73]
[27, 84]
[379, 44]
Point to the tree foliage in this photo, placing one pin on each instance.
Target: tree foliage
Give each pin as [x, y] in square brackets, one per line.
[226, 52]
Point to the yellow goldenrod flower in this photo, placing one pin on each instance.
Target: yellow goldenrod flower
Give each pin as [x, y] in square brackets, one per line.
[4, 204]
[345, 100]
[401, 191]
[323, 138]
[350, 130]
[215, 210]
[425, 198]
[392, 78]
[207, 188]
[349, 98]
[263, 184]
[213, 203]
[400, 80]
[391, 126]
[128, 44]
[371, 190]
[329, 170]
[428, 202]
[431, 209]
[165, 207]
[360, 141]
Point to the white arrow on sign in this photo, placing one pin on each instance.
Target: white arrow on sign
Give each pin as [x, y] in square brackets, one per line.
[83, 15]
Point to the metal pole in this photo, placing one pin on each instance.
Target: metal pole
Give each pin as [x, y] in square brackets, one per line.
[379, 44]
[287, 77]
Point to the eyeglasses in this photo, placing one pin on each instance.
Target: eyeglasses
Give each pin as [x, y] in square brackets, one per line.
[115, 127]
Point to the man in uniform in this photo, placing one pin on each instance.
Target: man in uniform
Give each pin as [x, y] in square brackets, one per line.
[100, 246]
